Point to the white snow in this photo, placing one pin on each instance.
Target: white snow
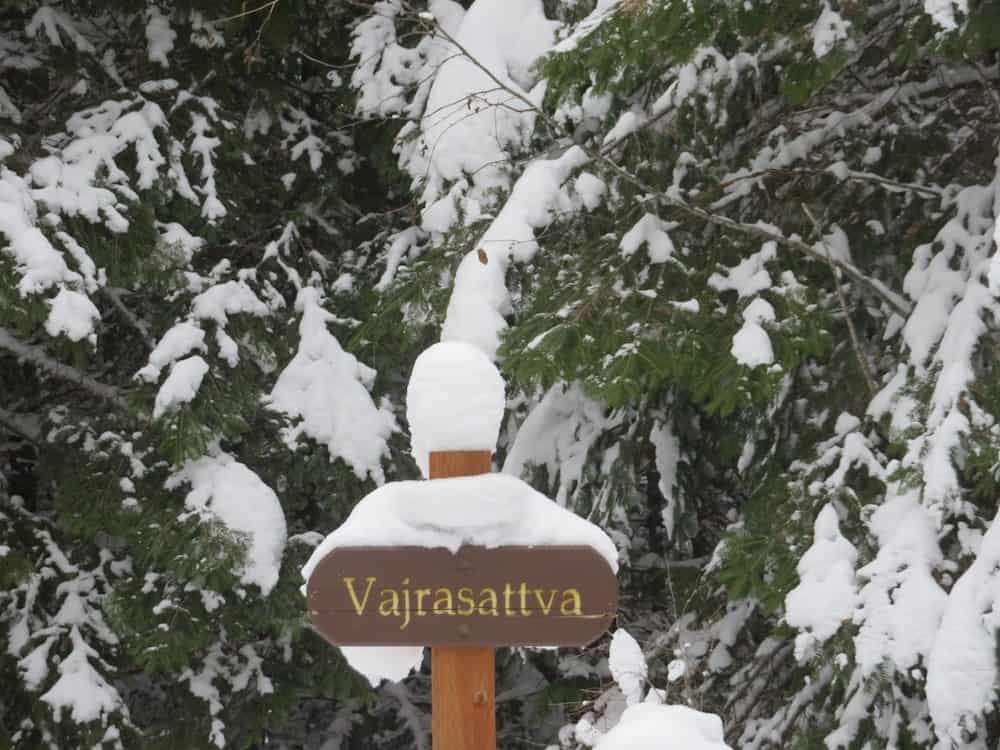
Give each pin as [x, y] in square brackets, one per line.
[454, 401]
[751, 344]
[558, 434]
[179, 241]
[651, 231]
[651, 727]
[943, 11]
[479, 297]
[591, 189]
[39, 264]
[667, 456]
[387, 663]
[72, 314]
[159, 36]
[628, 666]
[328, 389]
[181, 385]
[829, 29]
[490, 510]
[226, 491]
[182, 339]
[470, 125]
[230, 298]
[901, 604]
[80, 688]
[962, 667]
[750, 276]
[826, 595]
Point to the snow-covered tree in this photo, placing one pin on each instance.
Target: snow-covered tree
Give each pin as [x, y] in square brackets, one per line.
[735, 259]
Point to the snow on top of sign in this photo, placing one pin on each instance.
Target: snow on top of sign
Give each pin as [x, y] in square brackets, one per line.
[454, 401]
[489, 510]
[651, 727]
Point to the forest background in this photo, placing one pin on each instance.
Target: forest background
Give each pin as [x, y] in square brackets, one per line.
[737, 261]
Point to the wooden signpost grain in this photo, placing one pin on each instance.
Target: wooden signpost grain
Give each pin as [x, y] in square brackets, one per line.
[463, 605]
[463, 684]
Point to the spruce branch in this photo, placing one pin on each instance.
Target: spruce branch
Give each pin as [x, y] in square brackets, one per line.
[115, 295]
[21, 424]
[759, 231]
[42, 361]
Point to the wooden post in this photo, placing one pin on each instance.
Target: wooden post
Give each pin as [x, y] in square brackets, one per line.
[463, 683]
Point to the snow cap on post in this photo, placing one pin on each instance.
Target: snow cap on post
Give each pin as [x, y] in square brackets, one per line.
[454, 401]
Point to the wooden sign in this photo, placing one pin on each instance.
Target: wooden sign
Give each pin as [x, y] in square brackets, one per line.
[504, 596]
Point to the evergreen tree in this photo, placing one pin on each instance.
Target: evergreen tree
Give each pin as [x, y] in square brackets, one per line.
[735, 260]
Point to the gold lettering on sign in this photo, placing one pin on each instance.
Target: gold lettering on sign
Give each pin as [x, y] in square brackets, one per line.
[546, 606]
[465, 598]
[513, 600]
[359, 607]
[443, 603]
[507, 592]
[389, 604]
[488, 595]
[570, 603]
[421, 593]
[523, 591]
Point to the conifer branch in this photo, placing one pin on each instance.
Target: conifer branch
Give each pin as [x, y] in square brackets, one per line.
[115, 295]
[759, 231]
[21, 424]
[37, 357]
[852, 175]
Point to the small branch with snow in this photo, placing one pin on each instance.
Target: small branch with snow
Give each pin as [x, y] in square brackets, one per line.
[849, 175]
[38, 357]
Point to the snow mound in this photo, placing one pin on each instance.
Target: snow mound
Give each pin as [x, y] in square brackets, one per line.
[628, 666]
[226, 491]
[827, 592]
[327, 388]
[454, 401]
[181, 386]
[489, 510]
[961, 668]
[651, 727]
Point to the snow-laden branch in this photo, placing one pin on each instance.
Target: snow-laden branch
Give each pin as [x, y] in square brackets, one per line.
[764, 232]
[37, 356]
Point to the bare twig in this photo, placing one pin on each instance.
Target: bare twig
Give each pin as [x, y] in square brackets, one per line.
[268, 6]
[852, 332]
[851, 176]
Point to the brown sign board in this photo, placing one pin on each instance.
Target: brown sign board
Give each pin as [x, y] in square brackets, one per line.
[478, 596]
